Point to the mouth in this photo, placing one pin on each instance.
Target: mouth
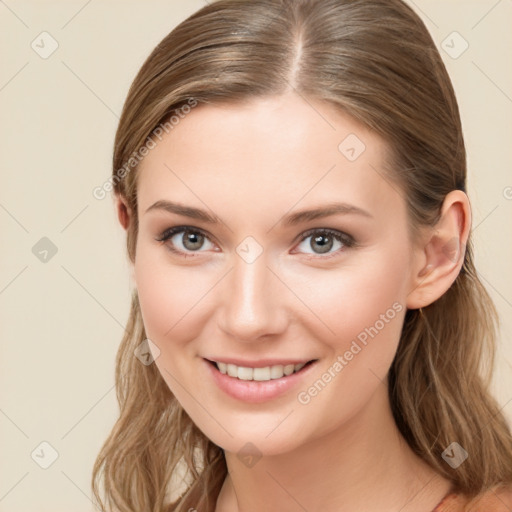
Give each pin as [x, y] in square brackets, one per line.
[260, 374]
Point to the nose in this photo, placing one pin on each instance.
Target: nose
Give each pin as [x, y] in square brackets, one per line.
[253, 304]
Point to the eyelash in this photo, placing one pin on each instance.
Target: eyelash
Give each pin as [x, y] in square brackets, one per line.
[347, 241]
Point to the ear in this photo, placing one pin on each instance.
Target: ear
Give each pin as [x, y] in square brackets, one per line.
[440, 255]
[124, 215]
[123, 211]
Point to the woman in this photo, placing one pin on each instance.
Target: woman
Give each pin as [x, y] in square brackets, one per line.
[308, 330]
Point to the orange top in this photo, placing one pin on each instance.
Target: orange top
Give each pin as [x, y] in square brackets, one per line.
[490, 501]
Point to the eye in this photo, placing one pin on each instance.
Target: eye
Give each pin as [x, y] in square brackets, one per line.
[187, 239]
[183, 239]
[321, 241]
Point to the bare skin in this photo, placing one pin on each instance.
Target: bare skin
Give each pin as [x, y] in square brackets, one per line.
[251, 165]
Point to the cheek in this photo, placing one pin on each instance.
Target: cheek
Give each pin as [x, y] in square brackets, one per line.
[365, 307]
[358, 295]
[173, 299]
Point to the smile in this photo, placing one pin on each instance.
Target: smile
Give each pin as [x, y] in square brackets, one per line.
[257, 384]
[258, 374]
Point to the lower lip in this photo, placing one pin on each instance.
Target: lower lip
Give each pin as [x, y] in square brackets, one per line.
[256, 391]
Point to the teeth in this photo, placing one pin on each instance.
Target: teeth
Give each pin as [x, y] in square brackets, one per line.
[259, 374]
[288, 369]
[276, 372]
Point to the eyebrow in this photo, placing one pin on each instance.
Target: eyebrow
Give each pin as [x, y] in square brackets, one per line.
[288, 220]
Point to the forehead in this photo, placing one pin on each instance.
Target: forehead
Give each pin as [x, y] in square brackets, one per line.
[264, 156]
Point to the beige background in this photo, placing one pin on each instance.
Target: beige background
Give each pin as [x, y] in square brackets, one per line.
[62, 320]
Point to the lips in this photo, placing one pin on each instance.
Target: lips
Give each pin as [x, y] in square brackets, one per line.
[258, 371]
[257, 391]
[260, 363]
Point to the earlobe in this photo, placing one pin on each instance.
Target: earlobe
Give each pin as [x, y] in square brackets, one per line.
[442, 256]
[123, 211]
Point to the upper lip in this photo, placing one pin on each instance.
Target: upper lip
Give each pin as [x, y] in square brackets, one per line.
[260, 363]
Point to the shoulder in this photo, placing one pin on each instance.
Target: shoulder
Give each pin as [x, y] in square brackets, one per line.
[497, 500]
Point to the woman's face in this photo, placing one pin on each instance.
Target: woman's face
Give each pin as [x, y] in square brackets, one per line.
[267, 283]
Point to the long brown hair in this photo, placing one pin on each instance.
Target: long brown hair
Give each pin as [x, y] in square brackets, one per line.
[376, 61]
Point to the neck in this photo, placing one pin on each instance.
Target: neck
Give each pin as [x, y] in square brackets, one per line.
[364, 465]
